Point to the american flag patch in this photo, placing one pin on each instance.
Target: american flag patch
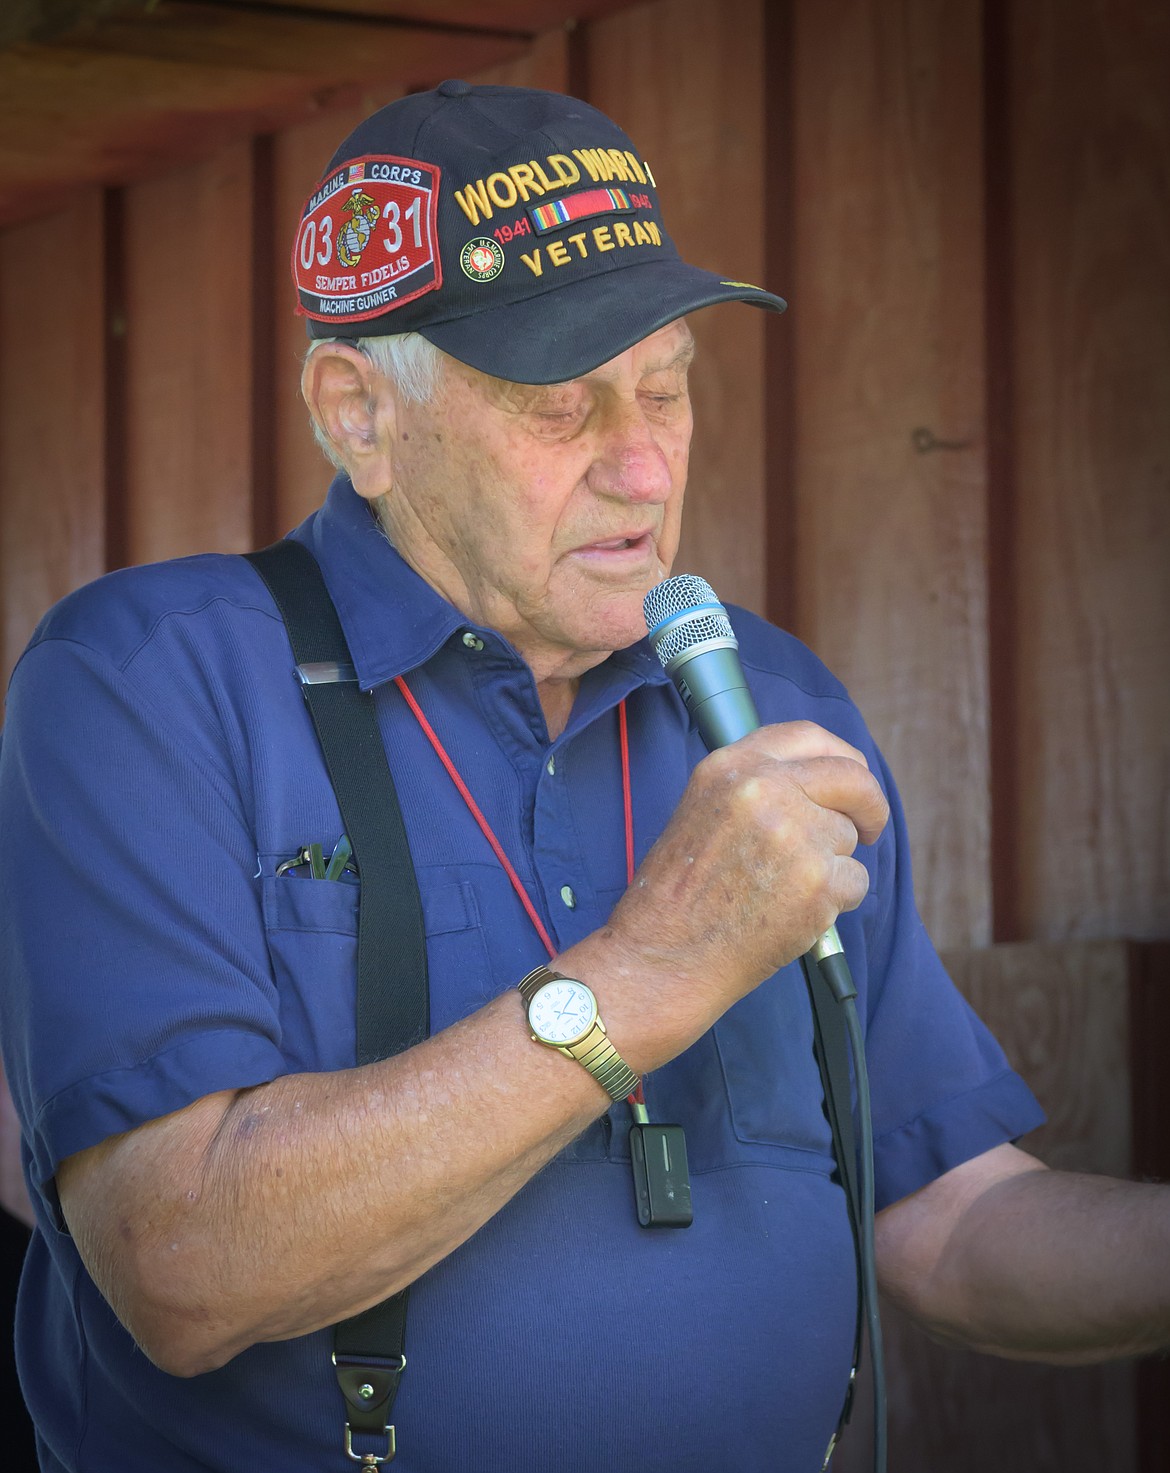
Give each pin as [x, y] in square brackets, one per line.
[357, 171]
[580, 206]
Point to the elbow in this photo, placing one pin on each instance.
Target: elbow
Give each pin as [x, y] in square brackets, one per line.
[174, 1319]
[182, 1345]
[180, 1350]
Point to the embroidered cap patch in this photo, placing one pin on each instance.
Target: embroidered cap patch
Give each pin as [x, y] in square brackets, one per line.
[580, 206]
[368, 240]
[481, 259]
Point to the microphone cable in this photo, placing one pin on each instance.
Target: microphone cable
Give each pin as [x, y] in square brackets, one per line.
[828, 956]
[693, 639]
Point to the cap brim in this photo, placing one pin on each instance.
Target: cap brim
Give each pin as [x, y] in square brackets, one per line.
[571, 330]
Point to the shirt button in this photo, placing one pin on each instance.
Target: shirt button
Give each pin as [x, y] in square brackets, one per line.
[568, 897]
[551, 766]
[472, 641]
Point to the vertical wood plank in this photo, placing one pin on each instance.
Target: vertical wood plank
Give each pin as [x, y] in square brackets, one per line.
[52, 405]
[889, 461]
[1004, 554]
[188, 395]
[779, 193]
[1149, 1025]
[1063, 1016]
[1091, 286]
[700, 125]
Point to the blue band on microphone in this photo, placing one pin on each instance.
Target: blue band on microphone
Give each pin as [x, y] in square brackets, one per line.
[687, 613]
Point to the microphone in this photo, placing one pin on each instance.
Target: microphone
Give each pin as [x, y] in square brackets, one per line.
[693, 638]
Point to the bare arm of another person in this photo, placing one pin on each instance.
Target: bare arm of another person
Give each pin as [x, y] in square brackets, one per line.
[1005, 1256]
[13, 1192]
[270, 1212]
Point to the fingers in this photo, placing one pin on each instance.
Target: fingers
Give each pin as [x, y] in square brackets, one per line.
[792, 741]
[757, 861]
[833, 774]
[846, 889]
[844, 786]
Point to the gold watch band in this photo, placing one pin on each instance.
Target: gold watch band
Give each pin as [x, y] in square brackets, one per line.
[595, 1051]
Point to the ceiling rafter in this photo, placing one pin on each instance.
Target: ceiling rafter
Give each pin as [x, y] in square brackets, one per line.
[108, 91]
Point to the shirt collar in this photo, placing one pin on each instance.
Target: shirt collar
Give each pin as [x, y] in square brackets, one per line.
[394, 620]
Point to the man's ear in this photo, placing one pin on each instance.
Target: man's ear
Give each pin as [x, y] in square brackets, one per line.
[354, 408]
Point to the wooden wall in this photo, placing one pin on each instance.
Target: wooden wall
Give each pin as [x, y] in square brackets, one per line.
[947, 468]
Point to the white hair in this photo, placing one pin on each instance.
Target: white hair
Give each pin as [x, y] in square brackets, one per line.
[411, 362]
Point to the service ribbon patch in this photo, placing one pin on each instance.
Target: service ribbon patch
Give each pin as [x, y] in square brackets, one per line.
[580, 206]
[368, 240]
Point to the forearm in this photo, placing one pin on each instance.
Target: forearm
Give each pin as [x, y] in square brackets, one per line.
[298, 1203]
[275, 1211]
[1053, 1266]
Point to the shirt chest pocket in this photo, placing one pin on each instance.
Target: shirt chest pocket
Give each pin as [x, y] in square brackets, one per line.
[766, 1057]
[765, 1049]
[312, 939]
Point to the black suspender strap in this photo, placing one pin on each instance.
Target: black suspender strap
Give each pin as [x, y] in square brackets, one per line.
[392, 993]
[393, 999]
[831, 1048]
[392, 990]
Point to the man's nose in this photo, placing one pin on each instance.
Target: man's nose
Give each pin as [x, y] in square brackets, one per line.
[631, 463]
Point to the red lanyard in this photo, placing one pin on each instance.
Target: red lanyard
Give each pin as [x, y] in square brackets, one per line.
[497, 848]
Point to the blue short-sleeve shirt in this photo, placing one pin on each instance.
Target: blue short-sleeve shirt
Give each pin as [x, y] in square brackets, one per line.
[157, 769]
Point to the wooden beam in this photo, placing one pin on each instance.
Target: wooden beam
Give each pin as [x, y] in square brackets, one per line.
[41, 20]
[46, 20]
[532, 16]
[77, 115]
[112, 91]
[288, 40]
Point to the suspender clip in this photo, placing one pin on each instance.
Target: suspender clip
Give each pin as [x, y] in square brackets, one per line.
[326, 672]
[370, 1460]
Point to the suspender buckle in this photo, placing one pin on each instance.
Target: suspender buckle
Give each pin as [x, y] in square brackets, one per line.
[370, 1460]
[368, 1384]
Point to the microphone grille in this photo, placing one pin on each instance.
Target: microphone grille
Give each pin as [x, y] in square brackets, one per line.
[675, 596]
[690, 595]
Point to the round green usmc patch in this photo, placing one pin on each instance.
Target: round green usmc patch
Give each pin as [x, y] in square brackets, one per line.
[481, 259]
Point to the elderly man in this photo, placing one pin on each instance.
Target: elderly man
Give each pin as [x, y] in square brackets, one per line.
[499, 371]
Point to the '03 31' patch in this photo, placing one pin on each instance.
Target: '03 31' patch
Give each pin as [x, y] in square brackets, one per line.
[368, 240]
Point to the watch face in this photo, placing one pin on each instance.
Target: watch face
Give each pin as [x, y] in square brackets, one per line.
[562, 1011]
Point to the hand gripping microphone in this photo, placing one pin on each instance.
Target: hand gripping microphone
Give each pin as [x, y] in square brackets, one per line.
[693, 638]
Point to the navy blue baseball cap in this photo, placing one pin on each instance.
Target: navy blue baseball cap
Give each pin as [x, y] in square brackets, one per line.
[518, 230]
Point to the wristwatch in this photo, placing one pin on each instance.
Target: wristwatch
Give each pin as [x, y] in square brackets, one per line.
[562, 1013]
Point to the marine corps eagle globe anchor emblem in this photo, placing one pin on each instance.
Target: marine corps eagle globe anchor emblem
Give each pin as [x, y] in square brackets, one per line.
[354, 235]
